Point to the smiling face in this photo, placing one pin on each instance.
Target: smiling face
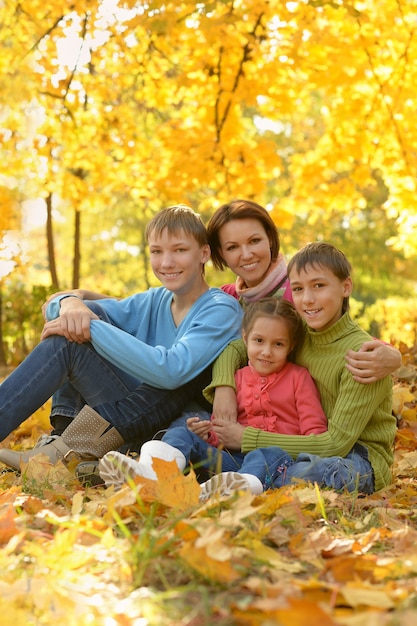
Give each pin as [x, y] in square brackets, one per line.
[246, 249]
[318, 295]
[268, 344]
[177, 260]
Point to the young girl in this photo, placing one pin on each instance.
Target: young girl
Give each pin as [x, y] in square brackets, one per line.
[273, 394]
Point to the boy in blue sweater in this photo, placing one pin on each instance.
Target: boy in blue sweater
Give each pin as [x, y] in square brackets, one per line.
[135, 360]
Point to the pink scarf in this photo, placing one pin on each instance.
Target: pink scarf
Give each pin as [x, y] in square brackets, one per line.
[277, 274]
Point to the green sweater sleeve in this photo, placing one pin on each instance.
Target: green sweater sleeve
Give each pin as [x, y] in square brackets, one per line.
[355, 406]
[361, 414]
[233, 357]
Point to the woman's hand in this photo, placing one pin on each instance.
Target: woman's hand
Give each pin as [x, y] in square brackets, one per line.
[72, 323]
[225, 404]
[199, 427]
[373, 361]
[230, 434]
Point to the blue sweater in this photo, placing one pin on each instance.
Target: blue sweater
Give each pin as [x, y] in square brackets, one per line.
[144, 341]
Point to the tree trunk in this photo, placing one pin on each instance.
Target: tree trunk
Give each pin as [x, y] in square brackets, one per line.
[51, 247]
[2, 353]
[77, 255]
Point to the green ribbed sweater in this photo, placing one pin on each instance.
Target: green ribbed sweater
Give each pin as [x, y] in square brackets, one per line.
[356, 413]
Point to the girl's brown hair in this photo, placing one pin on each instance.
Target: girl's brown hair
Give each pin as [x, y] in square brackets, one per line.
[276, 309]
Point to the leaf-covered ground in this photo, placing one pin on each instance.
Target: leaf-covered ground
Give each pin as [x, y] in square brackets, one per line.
[151, 554]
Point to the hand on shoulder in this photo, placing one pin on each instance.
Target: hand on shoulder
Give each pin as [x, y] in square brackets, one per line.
[373, 361]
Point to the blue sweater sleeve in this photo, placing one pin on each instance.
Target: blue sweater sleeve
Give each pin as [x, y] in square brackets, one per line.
[143, 341]
[213, 321]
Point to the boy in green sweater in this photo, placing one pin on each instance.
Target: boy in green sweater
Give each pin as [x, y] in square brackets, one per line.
[356, 452]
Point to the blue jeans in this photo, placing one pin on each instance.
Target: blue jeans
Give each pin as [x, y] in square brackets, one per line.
[275, 468]
[202, 454]
[75, 374]
[195, 411]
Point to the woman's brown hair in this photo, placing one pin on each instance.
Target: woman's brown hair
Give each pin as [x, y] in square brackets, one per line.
[240, 210]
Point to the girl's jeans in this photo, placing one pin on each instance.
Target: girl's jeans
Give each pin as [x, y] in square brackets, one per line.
[275, 468]
[202, 454]
[75, 374]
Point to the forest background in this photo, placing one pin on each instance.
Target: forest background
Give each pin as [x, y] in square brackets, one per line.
[110, 111]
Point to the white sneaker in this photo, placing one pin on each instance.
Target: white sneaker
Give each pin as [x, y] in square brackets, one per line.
[223, 484]
[115, 468]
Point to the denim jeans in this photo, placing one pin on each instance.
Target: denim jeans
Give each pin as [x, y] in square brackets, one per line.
[275, 468]
[202, 454]
[75, 374]
[266, 463]
[193, 410]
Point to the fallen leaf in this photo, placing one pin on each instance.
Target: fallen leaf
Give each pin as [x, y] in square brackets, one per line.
[285, 612]
[8, 527]
[400, 396]
[226, 570]
[356, 595]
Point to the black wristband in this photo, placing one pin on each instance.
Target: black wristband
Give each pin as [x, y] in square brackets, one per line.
[70, 295]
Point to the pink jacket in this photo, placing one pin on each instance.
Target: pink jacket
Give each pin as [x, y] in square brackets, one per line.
[286, 402]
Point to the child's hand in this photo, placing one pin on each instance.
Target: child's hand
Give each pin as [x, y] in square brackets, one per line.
[230, 434]
[199, 427]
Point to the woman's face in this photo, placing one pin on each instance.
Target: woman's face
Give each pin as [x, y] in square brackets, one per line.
[246, 249]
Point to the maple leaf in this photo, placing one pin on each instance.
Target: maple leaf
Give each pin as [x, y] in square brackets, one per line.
[8, 528]
[39, 469]
[401, 396]
[407, 462]
[227, 568]
[171, 488]
[284, 611]
[406, 439]
[362, 595]
[174, 489]
[36, 424]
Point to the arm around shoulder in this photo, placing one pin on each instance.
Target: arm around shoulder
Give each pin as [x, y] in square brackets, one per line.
[233, 357]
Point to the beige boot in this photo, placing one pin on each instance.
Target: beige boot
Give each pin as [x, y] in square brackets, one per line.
[89, 436]
[115, 467]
